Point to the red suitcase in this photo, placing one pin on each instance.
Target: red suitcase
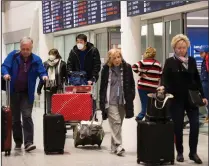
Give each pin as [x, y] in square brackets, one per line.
[7, 123]
[73, 106]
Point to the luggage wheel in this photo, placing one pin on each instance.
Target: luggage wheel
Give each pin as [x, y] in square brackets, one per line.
[75, 144]
[138, 161]
[99, 145]
[7, 153]
[46, 152]
[61, 151]
[172, 162]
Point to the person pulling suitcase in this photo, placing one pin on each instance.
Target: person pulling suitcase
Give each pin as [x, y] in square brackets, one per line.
[23, 68]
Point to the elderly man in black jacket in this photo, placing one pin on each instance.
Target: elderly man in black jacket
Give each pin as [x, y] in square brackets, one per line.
[84, 57]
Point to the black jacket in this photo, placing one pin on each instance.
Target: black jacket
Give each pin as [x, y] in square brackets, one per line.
[92, 62]
[128, 89]
[178, 81]
[62, 76]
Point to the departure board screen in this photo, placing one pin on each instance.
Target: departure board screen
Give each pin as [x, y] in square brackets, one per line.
[60, 15]
[47, 16]
[142, 7]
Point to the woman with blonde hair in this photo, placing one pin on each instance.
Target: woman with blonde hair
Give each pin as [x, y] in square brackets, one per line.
[149, 71]
[180, 75]
[117, 92]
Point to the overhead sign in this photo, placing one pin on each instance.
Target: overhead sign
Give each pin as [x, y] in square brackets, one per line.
[61, 15]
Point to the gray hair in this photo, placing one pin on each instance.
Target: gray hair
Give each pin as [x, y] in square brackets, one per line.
[26, 40]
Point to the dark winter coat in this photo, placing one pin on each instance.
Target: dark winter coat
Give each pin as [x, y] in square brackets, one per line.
[178, 81]
[92, 62]
[128, 89]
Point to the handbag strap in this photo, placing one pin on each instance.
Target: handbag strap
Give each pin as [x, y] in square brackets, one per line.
[164, 102]
[150, 67]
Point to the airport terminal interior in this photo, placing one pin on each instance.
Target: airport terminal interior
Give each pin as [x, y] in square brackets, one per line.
[131, 26]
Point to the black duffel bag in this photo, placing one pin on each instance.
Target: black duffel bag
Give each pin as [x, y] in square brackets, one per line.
[158, 107]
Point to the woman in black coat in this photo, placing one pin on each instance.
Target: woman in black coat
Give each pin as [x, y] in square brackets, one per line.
[117, 92]
[180, 75]
[56, 69]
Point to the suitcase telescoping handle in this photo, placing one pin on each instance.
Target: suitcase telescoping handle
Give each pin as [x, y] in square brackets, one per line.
[44, 97]
[8, 93]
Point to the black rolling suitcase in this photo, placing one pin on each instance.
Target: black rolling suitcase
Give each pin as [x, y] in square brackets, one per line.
[155, 135]
[155, 143]
[54, 131]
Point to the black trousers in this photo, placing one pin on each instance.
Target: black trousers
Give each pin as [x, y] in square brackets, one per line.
[178, 108]
[21, 107]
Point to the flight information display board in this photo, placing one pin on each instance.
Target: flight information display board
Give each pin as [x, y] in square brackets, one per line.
[142, 7]
[60, 15]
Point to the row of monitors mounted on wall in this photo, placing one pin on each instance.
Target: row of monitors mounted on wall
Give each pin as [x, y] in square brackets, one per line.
[61, 15]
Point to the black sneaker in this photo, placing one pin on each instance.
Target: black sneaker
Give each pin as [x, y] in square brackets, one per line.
[29, 147]
[18, 146]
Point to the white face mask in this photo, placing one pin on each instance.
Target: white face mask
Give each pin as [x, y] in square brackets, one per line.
[52, 57]
[80, 46]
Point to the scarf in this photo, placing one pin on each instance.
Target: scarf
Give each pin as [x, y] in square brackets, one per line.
[183, 60]
[51, 82]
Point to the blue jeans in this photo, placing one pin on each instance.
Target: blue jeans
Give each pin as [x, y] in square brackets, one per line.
[144, 98]
[205, 86]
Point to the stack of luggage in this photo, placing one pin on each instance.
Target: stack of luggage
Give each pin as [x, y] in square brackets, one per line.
[76, 101]
[76, 105]
[155, 135]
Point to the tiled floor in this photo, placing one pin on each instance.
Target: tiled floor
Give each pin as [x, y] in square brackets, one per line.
[87, 156]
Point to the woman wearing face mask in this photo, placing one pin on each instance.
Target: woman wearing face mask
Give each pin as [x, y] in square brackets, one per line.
[56, 69]
[117, 92]
[180, 75]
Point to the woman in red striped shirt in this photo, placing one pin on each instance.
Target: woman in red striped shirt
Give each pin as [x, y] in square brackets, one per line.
[149, 71]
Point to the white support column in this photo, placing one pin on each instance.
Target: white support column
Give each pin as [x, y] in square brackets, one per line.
[46, 42]
[2, 29]
[130, 45]
[34, 30]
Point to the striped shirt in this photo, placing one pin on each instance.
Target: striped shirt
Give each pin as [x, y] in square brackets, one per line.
[149, 71]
